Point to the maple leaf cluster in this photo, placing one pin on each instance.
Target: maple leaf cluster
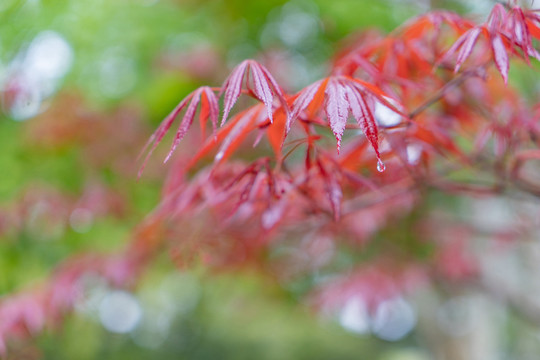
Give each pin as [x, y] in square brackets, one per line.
[407, 103]
[426, 105]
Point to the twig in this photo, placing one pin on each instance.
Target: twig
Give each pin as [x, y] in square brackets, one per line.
[449, 85]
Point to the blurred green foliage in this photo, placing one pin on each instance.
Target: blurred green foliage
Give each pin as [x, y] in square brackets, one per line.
[239, 316]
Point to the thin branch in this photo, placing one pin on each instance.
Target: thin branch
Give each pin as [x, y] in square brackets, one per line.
[449, 85]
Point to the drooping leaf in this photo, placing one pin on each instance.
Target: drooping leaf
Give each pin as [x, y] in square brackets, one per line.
[160, 132]
[187, 120]
[341, 94]
[209, 109]
[522, 30]
[500, 56]
[518, 30]
[364, 117]
[264, 87]
[503, 31]
[337, 109]
[232, 88]
[497, 18]
[466, 46]
[307, 96]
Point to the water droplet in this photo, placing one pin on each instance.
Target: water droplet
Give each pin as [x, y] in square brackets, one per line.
[219, 156]
[380, 166]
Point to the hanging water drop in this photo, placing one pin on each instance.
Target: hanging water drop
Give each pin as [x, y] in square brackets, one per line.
[380, 166]
[219, 156]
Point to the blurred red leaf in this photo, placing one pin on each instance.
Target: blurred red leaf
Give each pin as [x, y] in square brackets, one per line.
[194, 99]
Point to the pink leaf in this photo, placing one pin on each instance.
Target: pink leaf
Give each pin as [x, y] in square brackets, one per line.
[364, 117]
[341, 94]
[302, 102]
[195, 98]
[521, 34]
[337, 109]
[496, 18]
[264, 83]
[186, 121]
[233, 87]
[455, 46]
[469, 39]
[262, 89]
[520, 31]
[500, 56]
[160, 132]
[275, 87]
[214, 107]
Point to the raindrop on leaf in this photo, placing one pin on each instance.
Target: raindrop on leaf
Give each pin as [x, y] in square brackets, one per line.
[380, 166]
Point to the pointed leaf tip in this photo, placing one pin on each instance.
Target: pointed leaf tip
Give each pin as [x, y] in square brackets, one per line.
[500, 56]
[306, 96]
[363, 114]
[337, 109]
[187, 120]
[232, 88]
[213, 107]
[209, 109]
[159, 134]
[264, 87]
[467, 45]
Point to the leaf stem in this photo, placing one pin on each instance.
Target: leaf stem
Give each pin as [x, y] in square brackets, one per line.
[458, 80]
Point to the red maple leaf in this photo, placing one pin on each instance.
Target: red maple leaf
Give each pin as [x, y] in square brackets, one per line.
[519, 27]
[339, 95]
[264, 87]
[209, 109]
[502, 30]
